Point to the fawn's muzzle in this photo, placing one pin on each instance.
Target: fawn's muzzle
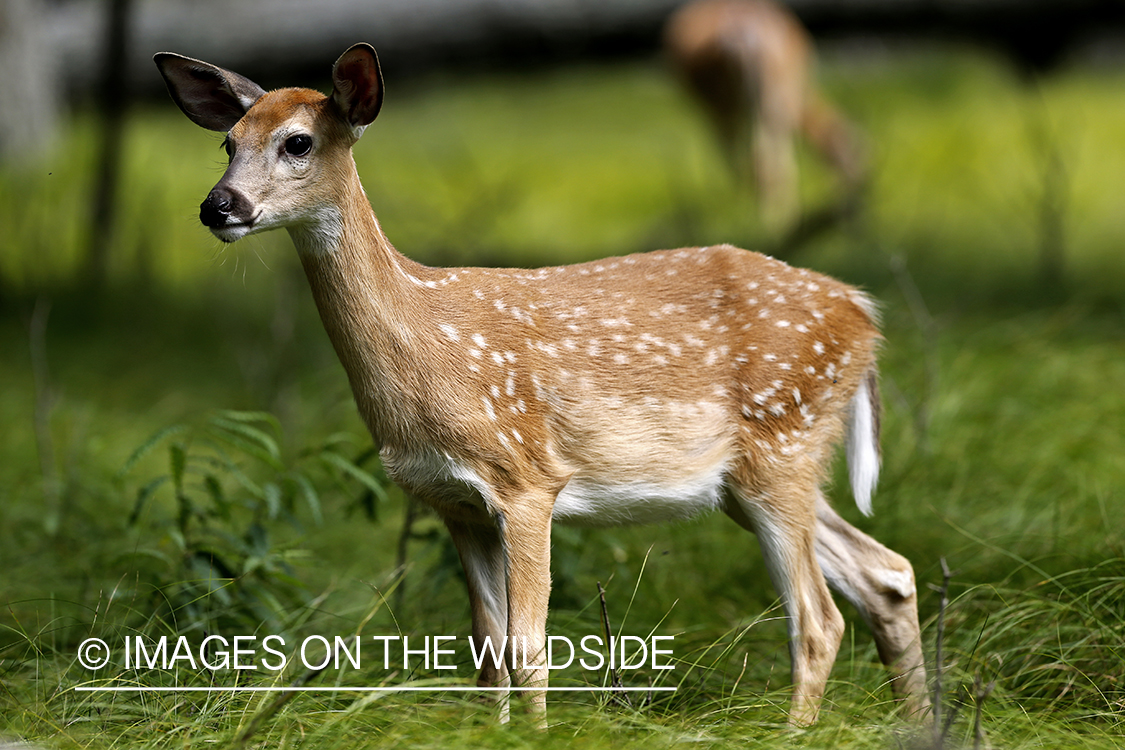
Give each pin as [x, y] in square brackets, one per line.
[221, 208]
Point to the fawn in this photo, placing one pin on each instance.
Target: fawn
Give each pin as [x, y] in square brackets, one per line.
[634, 389]
[750, 64]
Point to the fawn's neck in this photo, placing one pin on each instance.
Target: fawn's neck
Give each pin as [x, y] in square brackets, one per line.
[362, 289]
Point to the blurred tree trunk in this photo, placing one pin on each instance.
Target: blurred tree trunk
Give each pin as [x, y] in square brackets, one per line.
[112, 101]
[29, 84]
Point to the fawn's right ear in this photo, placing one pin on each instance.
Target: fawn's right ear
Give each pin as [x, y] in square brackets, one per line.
[211, 97]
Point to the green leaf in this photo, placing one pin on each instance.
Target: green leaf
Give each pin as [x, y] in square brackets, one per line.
[218, 498]
[225, 463]
[147, 446]
[251, 440]
[272, 496]
[309, 493]
[143, 496]
[363, 477]
[177, 461]
[258, 540]
[250, 417]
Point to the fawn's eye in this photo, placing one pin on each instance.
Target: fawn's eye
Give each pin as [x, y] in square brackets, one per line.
[298, 145]
[228, 146]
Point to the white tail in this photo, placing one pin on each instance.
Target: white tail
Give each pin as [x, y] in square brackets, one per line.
[633, 389]
[750, 63]
[863, 443]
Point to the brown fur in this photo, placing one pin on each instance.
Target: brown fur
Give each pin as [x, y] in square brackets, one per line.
[510, 398]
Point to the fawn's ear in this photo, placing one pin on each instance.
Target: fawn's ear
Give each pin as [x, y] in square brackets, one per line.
[211, 97]
[357, 86]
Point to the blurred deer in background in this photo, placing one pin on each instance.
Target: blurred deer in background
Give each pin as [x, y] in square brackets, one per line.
[635, 389]
[751, 64]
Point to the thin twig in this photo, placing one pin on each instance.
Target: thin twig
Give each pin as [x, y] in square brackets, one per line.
[614, 675]
[404, 537]
[980, 696]
[940, 728]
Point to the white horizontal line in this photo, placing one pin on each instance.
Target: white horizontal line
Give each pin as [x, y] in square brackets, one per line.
[403, 689]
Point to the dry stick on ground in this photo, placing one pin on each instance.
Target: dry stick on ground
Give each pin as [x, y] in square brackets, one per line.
[614, 676]
[941, 729]
[409, 517]
[980, 696]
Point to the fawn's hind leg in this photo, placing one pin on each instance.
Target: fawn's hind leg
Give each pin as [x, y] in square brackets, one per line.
[785, 524]
[880, 583]
[481, 549]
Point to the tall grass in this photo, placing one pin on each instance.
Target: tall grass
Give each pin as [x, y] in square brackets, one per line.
[1002, 439]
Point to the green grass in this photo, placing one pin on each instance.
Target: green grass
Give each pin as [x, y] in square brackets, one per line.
[1002, 439]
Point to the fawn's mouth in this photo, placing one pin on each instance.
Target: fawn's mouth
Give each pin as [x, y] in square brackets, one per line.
[235, 230]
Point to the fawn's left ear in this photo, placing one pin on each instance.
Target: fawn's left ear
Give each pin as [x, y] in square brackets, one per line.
[211, 97]
[357, 86]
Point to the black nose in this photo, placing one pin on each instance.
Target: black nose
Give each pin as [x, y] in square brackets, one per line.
[216, 210]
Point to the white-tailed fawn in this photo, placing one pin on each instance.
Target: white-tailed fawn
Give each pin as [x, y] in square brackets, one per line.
[635, 389]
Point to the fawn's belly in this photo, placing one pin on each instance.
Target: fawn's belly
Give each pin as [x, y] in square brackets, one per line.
[646, 465]
[590, 501]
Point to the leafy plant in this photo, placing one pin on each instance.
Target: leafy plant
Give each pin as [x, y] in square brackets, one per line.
[233, 495]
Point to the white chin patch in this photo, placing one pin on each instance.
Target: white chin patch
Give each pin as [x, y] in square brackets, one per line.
[232, 232]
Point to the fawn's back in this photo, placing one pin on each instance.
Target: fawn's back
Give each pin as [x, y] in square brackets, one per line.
[637, 383]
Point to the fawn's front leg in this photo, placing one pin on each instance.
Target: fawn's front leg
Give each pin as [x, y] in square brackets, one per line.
[526, 533]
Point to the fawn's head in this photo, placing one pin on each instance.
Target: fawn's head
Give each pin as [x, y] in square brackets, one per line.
[289, 149]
